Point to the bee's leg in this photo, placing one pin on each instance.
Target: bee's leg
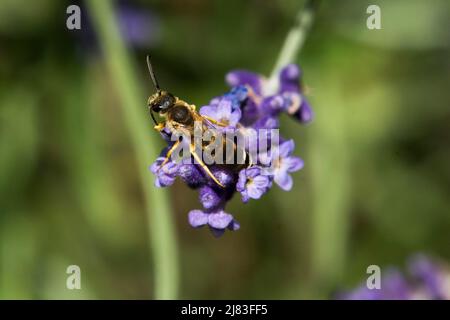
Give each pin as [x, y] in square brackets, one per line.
[160, 126]
[214, 121]
[203, 165]
[248, 158]
[169, 153]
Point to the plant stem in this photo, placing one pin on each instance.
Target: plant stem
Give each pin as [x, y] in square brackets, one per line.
[293, 42]
[159, 214]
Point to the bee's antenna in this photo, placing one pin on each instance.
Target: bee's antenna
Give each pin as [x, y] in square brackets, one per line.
[152, 75]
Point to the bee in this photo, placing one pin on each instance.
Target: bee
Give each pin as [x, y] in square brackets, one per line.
[180, 118]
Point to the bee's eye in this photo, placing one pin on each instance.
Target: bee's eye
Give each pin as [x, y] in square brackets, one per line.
[164, 103]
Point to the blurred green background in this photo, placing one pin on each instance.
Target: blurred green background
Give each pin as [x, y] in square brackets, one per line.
[375, 188]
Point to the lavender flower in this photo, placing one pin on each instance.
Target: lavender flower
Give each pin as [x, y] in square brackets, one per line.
[252, 183]
[210, 198]
[394, 286]
[288, 98]
[225, 112]
[245, 78]
[166, 174]
[192, 175]
[217, 221]
[246, 107]
[284, 164]
[139, 27]
[427, 280]
[435, 281]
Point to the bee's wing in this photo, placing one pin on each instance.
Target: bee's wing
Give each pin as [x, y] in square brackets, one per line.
[203, 120]
[208, 121]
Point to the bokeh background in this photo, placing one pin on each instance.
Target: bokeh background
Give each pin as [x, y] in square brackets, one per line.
[375, 188]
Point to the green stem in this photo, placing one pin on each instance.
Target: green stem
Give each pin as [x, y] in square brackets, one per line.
[293, 42]
[160, 220]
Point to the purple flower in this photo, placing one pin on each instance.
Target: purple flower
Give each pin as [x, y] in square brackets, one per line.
[250, 113]
[297, 106]
[305, 113]
[210, 198]
[287, 97]
[245, 109]
[283, 164]
[290, 78]
[267, 122]
[224, 111]
[217, 221]
[192, 175]
[165, 175]
[274, 104]
[242, 78]
[422, 268]
[393, 287]
[225, 177]
[426, 280]
[139, 27]
[238, 94]
[290, 89]
[252, 184]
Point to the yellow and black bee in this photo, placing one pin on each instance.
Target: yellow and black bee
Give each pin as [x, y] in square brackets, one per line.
[180, 118]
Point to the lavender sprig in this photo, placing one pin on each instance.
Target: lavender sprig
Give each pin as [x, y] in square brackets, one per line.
[245, 107]
[254, 103]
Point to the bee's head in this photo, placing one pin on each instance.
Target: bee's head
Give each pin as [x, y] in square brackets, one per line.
[161, 101]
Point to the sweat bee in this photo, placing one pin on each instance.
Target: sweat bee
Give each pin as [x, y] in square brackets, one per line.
[181, 118]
